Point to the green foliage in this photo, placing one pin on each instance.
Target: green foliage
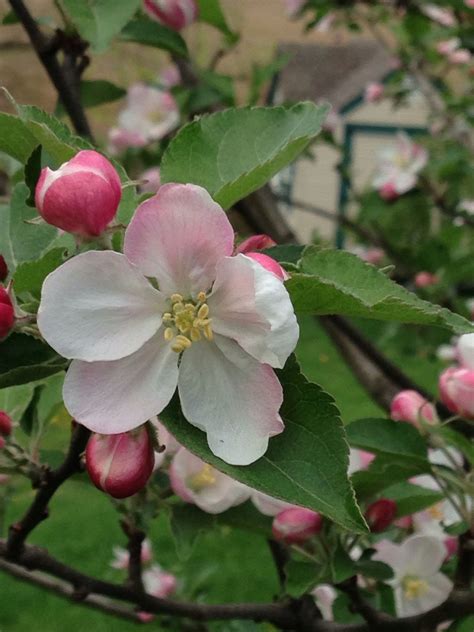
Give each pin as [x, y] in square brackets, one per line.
[234, 152]
[144, 31]
[29, 420]
[306, 465]
[411, 498]
[338, 282]
[210, 11]
[29, 276]
[94, 93]
[99, 21]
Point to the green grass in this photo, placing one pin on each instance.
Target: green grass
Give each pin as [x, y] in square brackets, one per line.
[226, 565]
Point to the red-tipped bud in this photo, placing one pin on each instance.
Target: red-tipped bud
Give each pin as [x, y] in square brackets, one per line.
[7, 313]
[296, 524]
[380, 514]
[120, 464]
[175, 14]
[3, 268]
[269, 264]
[410, 406]
[388, 192]
[80, 197]
[6, 424]
[256, 242]
[456, 387]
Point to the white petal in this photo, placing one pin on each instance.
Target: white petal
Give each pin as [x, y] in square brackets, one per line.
[178, 236]
[422, 555]
[232, 397]
[113, 397]
[439, 588]
[98, 306]
[466, 350]
[251, 305]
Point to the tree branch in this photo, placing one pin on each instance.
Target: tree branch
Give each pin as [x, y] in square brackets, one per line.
[135, 541]
[65, 85]
[50, 482]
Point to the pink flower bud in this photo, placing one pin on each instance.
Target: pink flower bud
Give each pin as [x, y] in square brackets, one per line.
[380, 514]
[451, 544]
[158, 582]
[269, 264]
[296, 524]
[388, 192]
[469, 3]
[82, 196]
[425, 279]
[256, 242]
[405, 522]
[6, 424]
[7, 313]
[456, 387]
[3, 268]
[373, 92]
[175, 14]
[120, 464]
[460, 56]
[410, 406]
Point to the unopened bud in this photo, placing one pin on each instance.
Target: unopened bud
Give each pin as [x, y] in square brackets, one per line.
[120, 464]
[410, 406]
[388, 192]
[456, 387]
[6, 424]
[296, 524]
[3, 269]
[80, 197]
[380, 514]
[7, 313]
[175, 14]
[269, 264]
[256, 242]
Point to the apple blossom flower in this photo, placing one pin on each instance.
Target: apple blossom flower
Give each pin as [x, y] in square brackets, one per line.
[80, 197]
[417, 582]
[442, 15]
[380, 514]
[151, 180]
[446, 47]
[373, 92]
[359, 460]
[120, 464]
[269, 264]
[267, 505]
[6, 423]
[447, 353]
[3, 269]
[296, 524]
[169, 77]
[201, 484]
[158, 582]
[132, 344]
[121, 556]
[467, 205]
[149, 114]
[469, 3]
[325, 595]
[411, 407]
[175, 14]
[7, 313]
[465, 349]
[254, 243]
[398, 167]
[451, 49]
[293, 7]
[456, 387]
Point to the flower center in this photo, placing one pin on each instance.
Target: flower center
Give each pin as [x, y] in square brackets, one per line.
[414, 587]
[204, 478]
[436, 512]
[187, 321]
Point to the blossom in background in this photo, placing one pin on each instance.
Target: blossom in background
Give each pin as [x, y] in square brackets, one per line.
[293, 7]
[169, 77]
[452, 50]
[325, 595]
[371, 255]
[467, 206]
[411, 407]
[425, 279]
[398, 167]
[122, 556]
[149, 114]
[151, 180]
[417, 582]
[267, 505]
[447, 353]
[175, 14]
[158, 582]
[324, 24]
[380, 514]
[456, 387]
[225, 319]
[359, 460]
[296, 524]
[201, 484]
[442, 15]
[373, 92]
[465, 347]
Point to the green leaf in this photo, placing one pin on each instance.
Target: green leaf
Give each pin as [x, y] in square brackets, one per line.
[338, 282]
[246, 517]
[374, 570]
[306, 465]
[15, 399]
[187, 522]
[24, 359]
[28, 241]
[99, 21]
[145, 31]
[385, 436]
[210, 11]
[94, 93]
[286, 253]
[29, 420]
[301, 577]
[411, 498]
[15, 139]
[234, 152]
[10, 18]
[455, 439]
[384, 471]
[29, 276]
[341, 565]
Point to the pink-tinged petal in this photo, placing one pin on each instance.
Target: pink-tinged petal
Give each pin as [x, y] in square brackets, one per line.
[178, 236]
[269, 264]
[231, 397]
[97, 306]
[117, 396]
[251, 305]
[256, 242]
[267, 505]
[437, 590]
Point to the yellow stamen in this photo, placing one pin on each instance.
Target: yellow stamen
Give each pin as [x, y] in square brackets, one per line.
[208, 334]
[203, 311]
[169, 334]
[176, 298]
[187, 322]
[201, 297]
[414, 587]
[195, 334]
[436, 511]
[183, 341]
[204, 478]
